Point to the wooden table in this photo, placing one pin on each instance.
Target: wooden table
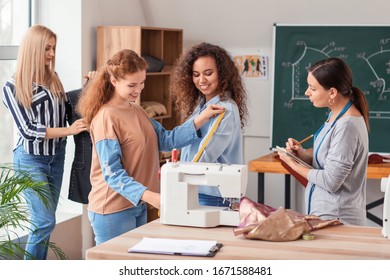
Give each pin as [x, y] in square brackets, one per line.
[332, 243]
[269, 164]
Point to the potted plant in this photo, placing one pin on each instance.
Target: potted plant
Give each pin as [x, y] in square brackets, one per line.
[14, 214]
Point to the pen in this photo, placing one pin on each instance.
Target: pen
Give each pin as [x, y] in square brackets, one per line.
[304, 140]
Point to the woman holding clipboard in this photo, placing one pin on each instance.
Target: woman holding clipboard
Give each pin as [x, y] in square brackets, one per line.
[336, 186]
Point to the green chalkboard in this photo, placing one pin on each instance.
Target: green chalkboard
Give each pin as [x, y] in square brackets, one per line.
[366, 49]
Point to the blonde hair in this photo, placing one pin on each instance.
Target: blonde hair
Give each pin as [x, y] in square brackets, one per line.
[99, 90]
[31, 66]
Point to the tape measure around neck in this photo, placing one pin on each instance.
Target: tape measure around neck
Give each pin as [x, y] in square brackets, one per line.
[208, 137]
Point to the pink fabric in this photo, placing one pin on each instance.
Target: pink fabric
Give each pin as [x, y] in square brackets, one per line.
[260, 221]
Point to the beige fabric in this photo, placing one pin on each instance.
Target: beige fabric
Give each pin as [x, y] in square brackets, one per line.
[260, 221]
[153, 108]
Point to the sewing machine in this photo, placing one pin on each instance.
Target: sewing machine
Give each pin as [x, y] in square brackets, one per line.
[385, 187]
[179, 193]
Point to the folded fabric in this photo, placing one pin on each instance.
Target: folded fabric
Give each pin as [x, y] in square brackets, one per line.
[153, 108]
[377, 158]
[263, 222]
[154, 64]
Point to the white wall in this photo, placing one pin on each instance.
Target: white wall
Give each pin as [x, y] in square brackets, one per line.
[65, 21]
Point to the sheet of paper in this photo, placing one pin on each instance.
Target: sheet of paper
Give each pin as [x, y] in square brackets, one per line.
[294, 157]
[173, 246]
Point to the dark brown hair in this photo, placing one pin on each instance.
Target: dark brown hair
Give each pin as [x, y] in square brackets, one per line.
[334, 72]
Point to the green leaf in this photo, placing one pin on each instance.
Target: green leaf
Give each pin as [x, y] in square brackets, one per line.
[14, 212]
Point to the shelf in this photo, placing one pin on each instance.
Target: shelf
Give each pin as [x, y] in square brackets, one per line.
[163, 43]
[162, 117]
[158, 73]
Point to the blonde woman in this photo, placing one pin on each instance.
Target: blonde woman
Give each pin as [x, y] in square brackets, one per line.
[36, 100]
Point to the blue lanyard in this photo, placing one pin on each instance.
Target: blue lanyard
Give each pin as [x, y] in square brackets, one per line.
[345, 109]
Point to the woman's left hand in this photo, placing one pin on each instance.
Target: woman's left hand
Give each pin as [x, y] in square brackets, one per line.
[210, 112]
[90, 76]
[77, 127]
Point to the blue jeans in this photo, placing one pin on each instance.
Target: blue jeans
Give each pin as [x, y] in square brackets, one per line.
[209, 200]
[108, 226]
[47, 169]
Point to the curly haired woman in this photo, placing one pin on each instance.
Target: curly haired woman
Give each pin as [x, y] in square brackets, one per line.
[206, 75]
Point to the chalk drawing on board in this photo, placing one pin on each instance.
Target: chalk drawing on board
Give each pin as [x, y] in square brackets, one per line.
[379, 64]
[380, 82]
[366, 49]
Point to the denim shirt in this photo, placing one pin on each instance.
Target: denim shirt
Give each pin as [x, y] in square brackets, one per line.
[226, 144]
[176, 138]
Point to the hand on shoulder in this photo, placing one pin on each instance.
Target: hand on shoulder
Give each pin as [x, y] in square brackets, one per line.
[210, 112]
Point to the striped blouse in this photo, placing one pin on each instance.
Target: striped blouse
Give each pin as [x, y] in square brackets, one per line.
[46, 110]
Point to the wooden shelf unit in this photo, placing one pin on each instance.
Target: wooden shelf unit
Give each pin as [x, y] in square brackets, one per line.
[163, 43]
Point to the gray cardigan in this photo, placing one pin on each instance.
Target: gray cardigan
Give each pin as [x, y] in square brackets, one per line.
[340, 179]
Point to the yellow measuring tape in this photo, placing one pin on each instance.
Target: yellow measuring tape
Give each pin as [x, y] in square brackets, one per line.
[206, 141]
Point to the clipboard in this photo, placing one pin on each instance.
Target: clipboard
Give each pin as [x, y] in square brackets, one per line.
[294, 157]
[296, 175]
[178, 247]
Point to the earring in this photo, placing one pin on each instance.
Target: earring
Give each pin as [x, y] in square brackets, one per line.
[330, 101]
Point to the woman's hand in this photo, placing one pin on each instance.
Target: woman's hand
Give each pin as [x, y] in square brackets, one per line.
[210, 112]
[287, 159]
[77, 127]
[152, 198]
[293, 146]
[58, 132]
[90, 76]
[300, 169]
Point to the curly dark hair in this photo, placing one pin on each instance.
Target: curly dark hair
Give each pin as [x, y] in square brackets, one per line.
[184, 91]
